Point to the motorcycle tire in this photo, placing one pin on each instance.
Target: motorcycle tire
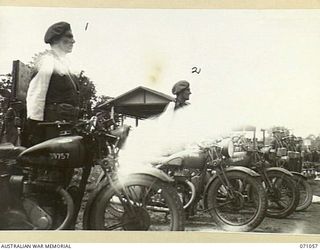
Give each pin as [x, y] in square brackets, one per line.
[144, 203]
[283, 197]
[306, 193]
[230, 213]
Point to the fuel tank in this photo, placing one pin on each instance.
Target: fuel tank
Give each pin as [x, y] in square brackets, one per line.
[240, 159]
[189, 159]
[60, 152]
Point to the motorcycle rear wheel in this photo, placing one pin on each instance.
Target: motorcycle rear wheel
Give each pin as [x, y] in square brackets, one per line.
[242, 213]
[142, 204]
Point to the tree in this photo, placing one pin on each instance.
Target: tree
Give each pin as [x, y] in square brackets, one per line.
[5, 96]
[5, 91]
[87, 92]
[35, 59]
[102, 99]
[311, 137]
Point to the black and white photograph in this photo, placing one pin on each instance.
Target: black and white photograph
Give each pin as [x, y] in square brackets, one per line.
[198, 120]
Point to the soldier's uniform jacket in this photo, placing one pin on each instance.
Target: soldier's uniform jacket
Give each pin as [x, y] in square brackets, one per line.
[52, 95]
[52, 89]
[179, 105]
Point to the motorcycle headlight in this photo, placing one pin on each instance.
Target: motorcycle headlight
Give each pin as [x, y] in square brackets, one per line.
[227, 148]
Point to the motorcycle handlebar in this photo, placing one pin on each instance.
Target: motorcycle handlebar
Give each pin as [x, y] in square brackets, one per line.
[80, 124]
[56, 123]
[64, 123]
[205, 148]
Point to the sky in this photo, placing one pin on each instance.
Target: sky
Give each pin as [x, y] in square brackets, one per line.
[257, 66]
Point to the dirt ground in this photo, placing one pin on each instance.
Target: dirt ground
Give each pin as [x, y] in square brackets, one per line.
[305, 222]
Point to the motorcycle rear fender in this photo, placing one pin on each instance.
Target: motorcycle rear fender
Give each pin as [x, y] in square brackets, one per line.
[229, 169]
[283, 170]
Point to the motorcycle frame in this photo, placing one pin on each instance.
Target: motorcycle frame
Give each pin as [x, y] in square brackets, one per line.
[261, 167]
[86, 166]
[221, 170]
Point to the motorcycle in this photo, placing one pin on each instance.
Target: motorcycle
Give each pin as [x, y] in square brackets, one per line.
[283, 197]
[203, 178]
[286, 161]
[287, 156]
[37, 195]
[300, 181]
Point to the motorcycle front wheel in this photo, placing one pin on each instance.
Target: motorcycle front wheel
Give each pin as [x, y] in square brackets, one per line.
[140, 203]
[239, 206]
[305, 192]
[283, 196]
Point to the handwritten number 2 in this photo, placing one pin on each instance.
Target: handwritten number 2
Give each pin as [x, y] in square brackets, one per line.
[196, 70]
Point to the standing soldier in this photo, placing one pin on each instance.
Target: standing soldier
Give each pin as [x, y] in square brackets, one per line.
[53, 93]
[182, 91]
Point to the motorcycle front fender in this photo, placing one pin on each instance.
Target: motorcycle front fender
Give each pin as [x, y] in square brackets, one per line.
[242, 169]
[91, 200]
[299, 174]
[150, 171]
[155, 173]
[227, 170]
[283, 170]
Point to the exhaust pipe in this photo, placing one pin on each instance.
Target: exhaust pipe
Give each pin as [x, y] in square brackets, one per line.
[70, 208]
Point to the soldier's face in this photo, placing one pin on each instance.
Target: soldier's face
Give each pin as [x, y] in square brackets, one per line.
[186, 94]
[66, 42]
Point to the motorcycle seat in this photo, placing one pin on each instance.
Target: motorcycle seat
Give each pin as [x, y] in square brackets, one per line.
[9, 151]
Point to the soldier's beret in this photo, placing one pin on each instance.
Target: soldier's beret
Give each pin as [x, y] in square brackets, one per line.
[56, 31]
[179, 86]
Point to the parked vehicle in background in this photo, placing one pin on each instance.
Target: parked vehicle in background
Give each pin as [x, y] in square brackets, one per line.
[203, 178]
[270, 156]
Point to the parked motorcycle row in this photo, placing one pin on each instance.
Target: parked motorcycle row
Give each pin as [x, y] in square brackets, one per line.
[237, 189]
[208, 178]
